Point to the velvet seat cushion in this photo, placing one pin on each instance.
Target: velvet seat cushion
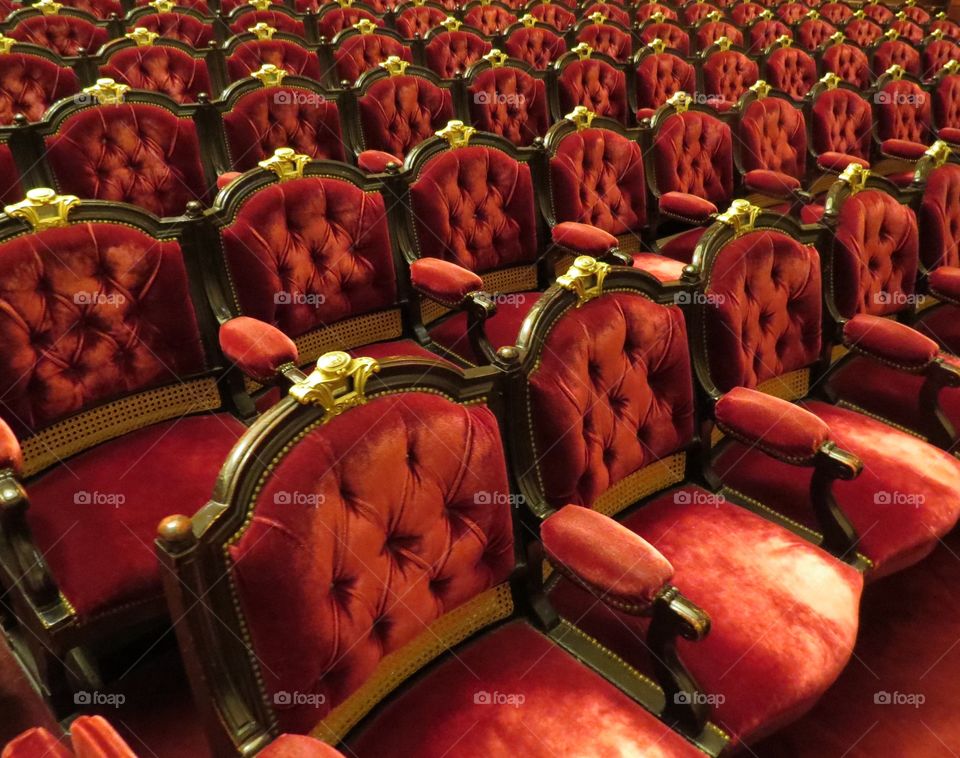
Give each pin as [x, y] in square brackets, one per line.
[502, 329]
[95, 517]
[680, 246]
[784, 614]
[564, 708]
[898, 508]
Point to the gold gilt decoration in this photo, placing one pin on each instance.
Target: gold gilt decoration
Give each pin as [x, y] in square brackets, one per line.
[598, 18]
[450, 24]
[740, 216]
[830, 81]
[344, 3]
[583, 51]
[909, 3]
[714, 16]
[901, 16]
[456, 134]
[106, 91]
[837, 38]
[657, 17]
[950, 67]
[760, 88]
[286, 163]
[365, 26]
[528, 21]
[48, 7]
[812, 14]
[891, 34]
[142, 36]
[161, 6]
[784, 41]
[657, 46]
[43, 208]
[260, 5]
[895, 72]
[937, 34]
[723, 43]
[859, 14]
[941, 16]
[496, 58]
[394, 65]
[939, 153]
[766, 14]
[855, 176]
[262, 30]
[581, 116]
[269, 75]
[336, 384]
[6, 43]
[680, 101]
[585, 278]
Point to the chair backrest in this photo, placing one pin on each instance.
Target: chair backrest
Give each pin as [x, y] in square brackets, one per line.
[710, 32]
[743, 14]
[647, 10]
[670, 34]
[694, 13]
[836, 13]
[659, 76]
[31, 81]
[64, 35]
[765, 32]
[608, 39]
[287, 54]
[101, 9]
[416, 21]
[727, 74]
[489, 19]
[841, 122]
[791, 70]
[535, 45]
[896, 52]
[950, 29]
[814, 32]
[178, 26]
[791, 13]
[938, 217]
[353, 54]
[946, 100]
[595, 83]
[280, 19]
[557, 16]
[936, 54]
[508, 101]
[773, 136]
[916, 14]
[903, 110]
[450, 53]
[879, 12]
[908, 31]
[612, 12]
[862, 32]
[849, 62]
[334, 19]
[159, 67]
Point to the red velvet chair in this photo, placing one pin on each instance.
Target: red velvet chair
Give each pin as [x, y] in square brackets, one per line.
[726, 72]
[669, 33]
[604, 423]
[658, 74]
[11, 190]
[606, 37]
[791, 13]
[416, 21]
[862, 32]
[645, 11]
[950, 29]
[848, 61]
[744, 14]
[112, 392]
[915, 13]
[907, 30]
[185, 25]
[612, 12]
[936, 54]
[766, 32]
[508, 97]
[31, 80]
[837, 14]
[246, 53]
[879, 13]
[814, 32]
[790, 69]
[710, 32]
[451, 50]
[131, 146]
[144, 61]
[333, 19]
[694, 13]
[840, 121]
[758, 324]
[904, 123]
[945, 88]
[278, 17]
[66, 33]
[355, 51]
[491, 19]
[592, 80]
[321, 654]
[101, 9]
[892, 51]
[554, 15]
[534, 42]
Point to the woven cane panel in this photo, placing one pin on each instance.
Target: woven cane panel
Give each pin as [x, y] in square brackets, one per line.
[117, 418]
[641, 483]
[516, 279]
[790, 386]
[629, 244]
[444, 633]
[563, 265]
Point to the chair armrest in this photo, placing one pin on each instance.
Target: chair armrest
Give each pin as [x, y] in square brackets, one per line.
[949, 134]
[443, 281]
[583, 239]
[903, 149]
[36, 742]
[890, 342]
[944, 283]
[257, 348]
[618, 566]
[225, 178]
[11, 455]
[831, 161]
[774, 183]
[298, 746]
[686, 207]
[377, 161]
[94, 737]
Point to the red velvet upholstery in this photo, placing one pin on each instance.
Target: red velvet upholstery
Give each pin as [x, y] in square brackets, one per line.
[862, 32]
[355, 55]
[903, 112]
[131, 152]
[583, 238]
[417, 21]
[693, 153]
[607, 39]
[694, 13]
[875, 255]
[595, 84]
[836, 13]
[336, 19]
[29, 84]
[11, 456]
[939, 220]
[742, 14]
[773, 136]
[765, 33]
[158, 68]
[727, 74]
[501, 329]
[831, 161]
[672, 35]
[773, 183]
[908, 31]
[612, 12]
[906, 149]
[34, 743]
[377, 161]
[563, 699]
[298, 746]
[489, 19]
[442, 280]
[711, 31]
[944, 282]
[842, 121]
[936, 54]
[764, 309]
[686, 206]
[271, 117]
[10, 191]
[916, 14]
[659, 266]
[849, 62]
[814, 32]
[256, 347]
[896, 52]
[557, 16]
[102, 9]
[791, 70]
[399, 112]
[93, 737]
[538, 47]
[659, 76]
[65, 35]
[417, 531]
[950, 29]
[597, 178]
[946, 103]
[448, 53]
[279, 21]
[646, 10]
[791, 13]
[177, 26]
[889, 341]
[308, 252]
[879, 12]
[284, 54]
[509, 102]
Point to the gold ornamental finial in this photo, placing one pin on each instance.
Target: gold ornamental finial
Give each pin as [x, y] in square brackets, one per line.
[766, 14]
[939, 153]
[740, 216]
[859, 14]
[6, 43]
[286, 163]
[812, 14]
[260, 5]
[680, 101]
[528, 21]
[761, 89]
[106, 91]
[262, 30]
[657, 17]
[784, 40]
[344, 3]
[457, 134]
[937, 34]
[43, 208]
[598, 18]
[950, 67]
[365, 26]
[891, 34]
[585, 278]
[657, 46]
[394, 65]
[581, 116]
[496, 58]
[48, 7]
[714, 16]
[723, 43]
[855, 176]
[337, 384]
[837, 38]
[450, 24]
[142, 36]
[269, 75]
[830, 81]
[583, 51]
[895, 72]
[161, 6]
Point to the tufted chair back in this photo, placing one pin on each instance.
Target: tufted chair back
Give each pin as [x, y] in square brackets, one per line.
[762, 309]
[64, 35]
[694, 13]
[265, 118]
[875, 255]
[908, 31]
[489, 19]
[285, 54]
[743, 14]
[593, 83]
[474, 206]
[773, 136]
[611, 394]
[879, 13]
[557, 16]
[710, 32]
[597, 178]
[765, 32]
[536, 46]
[791, 70]
[862, 32]
[950, 29]
[936, 54]
[91, 312]
[646, 10]
[813, 33]
[101, 9]
[417, 21]
[672, 35]
[916, 14]
[692, 152]
[608, 40]
[397, 113]
[337, 19]
[904, 112]
[10, 189]
[939, 218]
[160, 68]
[29, 84]
[450, 53]
[896, 52]
[791, 13]
[282, 22]
[179, 26]
[509, 102]
[842, 121]
[359, 53]
[612, 12]
[727, 74]
[131, 152]
[946, 102]
[848, 62]
[836, 13]
[659, 76]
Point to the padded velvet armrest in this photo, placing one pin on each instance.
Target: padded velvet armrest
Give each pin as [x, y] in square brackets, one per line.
[298, 746]
[889, 342]
[773, 183]
[690, 208]
[94, 737]
[258, 349]
[36, 742]
[376, 161]
[781, 429]
[583, 238]
[944, 282]
[617, 565]
[831, 161]
[901, 148]
[11, 456]
[949, 134]
[443, 281]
